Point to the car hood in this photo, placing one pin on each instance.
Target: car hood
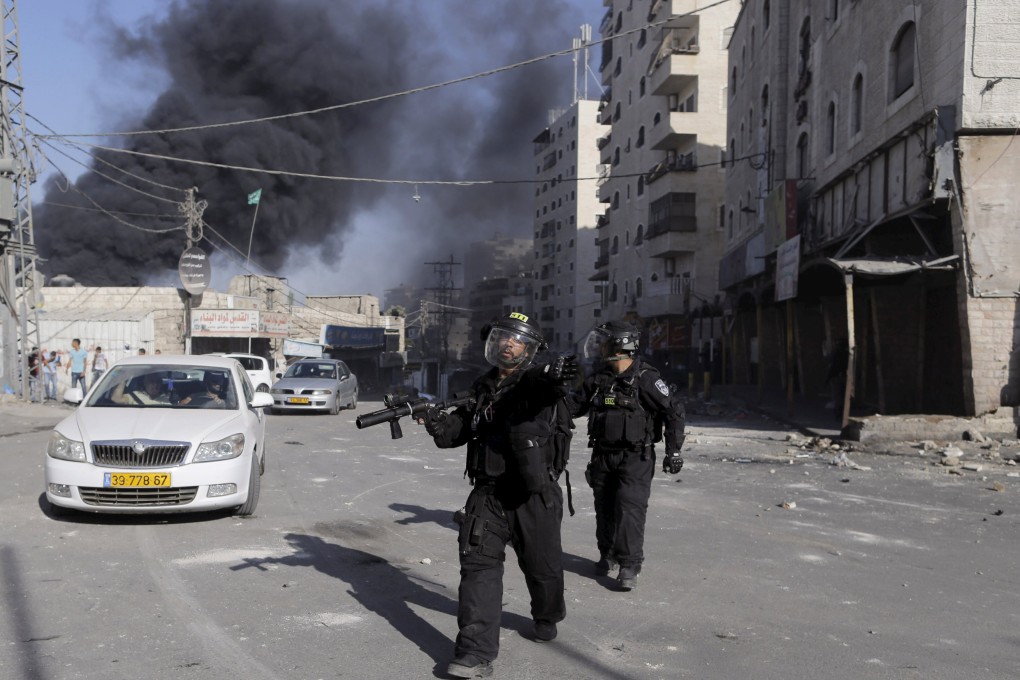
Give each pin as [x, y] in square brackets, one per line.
[305, 383]
[167, 424]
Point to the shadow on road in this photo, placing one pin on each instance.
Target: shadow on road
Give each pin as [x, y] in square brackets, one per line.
[384, 589]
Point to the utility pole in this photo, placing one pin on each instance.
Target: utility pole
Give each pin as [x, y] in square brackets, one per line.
[443, 295]
[192, 211]
[20, 285]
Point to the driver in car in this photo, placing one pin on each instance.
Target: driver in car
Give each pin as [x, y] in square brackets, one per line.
[153, 392]
[214, 394]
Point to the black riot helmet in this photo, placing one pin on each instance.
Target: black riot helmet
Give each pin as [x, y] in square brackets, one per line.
[513, 341]
[611, 339]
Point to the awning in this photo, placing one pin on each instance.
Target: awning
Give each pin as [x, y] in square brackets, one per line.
[892, 266]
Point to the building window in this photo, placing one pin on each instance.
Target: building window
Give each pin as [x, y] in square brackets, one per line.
[641, 39]
[765, 105]
[766, 13]
[639, 288]
[802, 156]
[733, 81]
[902, 60]
[856, 104]
[641, 87]
[616, 156]
[830, 129]
[805, 45]
[833, 11]
[641, 137]
[640, 185]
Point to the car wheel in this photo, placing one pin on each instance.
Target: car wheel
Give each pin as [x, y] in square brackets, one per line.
[262, 388]
[262, 461]
[254, 486]
[335, 408]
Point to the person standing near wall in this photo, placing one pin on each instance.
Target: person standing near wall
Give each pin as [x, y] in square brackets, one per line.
[49, 371]
[77, 362]
[99, 364]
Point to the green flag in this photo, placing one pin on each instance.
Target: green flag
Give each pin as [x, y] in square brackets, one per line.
[253, 197]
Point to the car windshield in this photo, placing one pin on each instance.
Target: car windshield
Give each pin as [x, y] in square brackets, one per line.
[165, 386]
[250, 363]
[311, 370]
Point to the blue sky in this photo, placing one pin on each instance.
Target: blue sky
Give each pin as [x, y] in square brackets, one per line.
[74, 84]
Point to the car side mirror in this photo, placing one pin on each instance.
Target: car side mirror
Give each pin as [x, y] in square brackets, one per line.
[279, 375]
[261, 400]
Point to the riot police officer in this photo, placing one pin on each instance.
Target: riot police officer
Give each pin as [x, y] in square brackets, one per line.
[515, 497]
[628, 406]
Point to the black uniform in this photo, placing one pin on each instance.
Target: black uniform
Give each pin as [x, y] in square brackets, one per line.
[627, 414]
[515, 500]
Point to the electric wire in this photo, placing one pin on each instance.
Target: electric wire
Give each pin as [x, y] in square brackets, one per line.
[404, 93]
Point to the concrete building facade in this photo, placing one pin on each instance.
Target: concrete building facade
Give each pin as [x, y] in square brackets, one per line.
[869, 199]
[566, 213]
[662, 233]
[256, 314]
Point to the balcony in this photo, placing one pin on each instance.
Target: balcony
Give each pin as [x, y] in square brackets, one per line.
[604, 171]
[602, 221]
[673, 132]
[686, 162]
[672, 243]
[604, 141]
[674, 73]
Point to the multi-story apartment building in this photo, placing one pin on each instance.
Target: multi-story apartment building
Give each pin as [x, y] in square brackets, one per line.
[566, 210]
[664, 70]
[870, 197]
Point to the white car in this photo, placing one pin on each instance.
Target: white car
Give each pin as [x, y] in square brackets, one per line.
[162, 434]
[257, 368]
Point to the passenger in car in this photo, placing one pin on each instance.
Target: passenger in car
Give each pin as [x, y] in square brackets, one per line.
[153, 392]
[215, 393]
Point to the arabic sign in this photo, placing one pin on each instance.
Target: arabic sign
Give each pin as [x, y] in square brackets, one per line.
[195, 270]
[244, 323]
[353, 337]
[297, 348]
[787, 269]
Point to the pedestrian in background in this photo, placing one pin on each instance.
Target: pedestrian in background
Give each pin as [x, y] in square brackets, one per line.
[99, 364]
[49, 369]
[34, 374]
[76, 363]
[515, 497]
[628, 406]
[141, 352]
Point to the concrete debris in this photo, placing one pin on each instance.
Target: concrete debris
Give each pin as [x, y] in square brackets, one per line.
[998, 486]
[788, 505]
[842, 460]
[426, 560]
[972, 435]
[951, 452]
[1013, 474]
[972, 467]
[928, 445]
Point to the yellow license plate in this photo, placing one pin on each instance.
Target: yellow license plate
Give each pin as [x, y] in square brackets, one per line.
[136, 479]
[299, 400]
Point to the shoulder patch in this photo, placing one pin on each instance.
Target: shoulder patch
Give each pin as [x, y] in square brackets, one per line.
[661, 386]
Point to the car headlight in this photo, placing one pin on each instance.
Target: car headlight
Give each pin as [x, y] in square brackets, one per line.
[224, 449]
[276, 390]
[65, 449]
[321, 392]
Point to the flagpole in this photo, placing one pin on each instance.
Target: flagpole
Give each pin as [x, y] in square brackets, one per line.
[251, 236]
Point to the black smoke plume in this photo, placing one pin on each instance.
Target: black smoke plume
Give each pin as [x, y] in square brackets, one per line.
[228, 61]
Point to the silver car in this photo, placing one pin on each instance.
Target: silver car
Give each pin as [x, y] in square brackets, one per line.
[315, 385]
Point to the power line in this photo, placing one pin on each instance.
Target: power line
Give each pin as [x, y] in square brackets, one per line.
[404, 93]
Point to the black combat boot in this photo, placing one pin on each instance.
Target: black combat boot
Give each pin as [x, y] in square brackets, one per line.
[628, 577]
[468, 666]
[605, 565]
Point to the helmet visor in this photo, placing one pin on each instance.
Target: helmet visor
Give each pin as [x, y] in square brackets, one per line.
[509, 349]
[596, 345]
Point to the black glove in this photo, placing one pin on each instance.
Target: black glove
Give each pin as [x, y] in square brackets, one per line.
[435, 422]
[563, 370]
[673, 463]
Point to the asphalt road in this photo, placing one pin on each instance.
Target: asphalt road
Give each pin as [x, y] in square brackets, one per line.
[349, 568]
